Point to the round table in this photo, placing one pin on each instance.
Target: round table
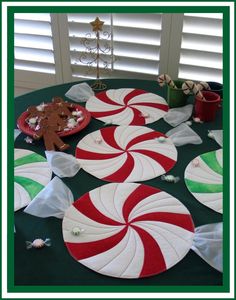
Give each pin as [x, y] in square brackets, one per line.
[54, 266]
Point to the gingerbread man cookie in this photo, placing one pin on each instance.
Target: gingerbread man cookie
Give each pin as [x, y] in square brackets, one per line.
[62, 107]
[54, 118]
[49, 134]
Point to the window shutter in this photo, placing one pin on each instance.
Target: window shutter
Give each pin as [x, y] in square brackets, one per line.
[135, 39]
[79, 27]
[137, 44]
[33, 45]
[201, 47]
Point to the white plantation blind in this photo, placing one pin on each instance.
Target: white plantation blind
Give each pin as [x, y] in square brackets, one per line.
[186, 46]
[33, 46]
[79, 27]
[135, 41]
[201, 47]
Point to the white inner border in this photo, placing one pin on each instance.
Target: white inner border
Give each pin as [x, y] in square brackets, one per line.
[67, 295]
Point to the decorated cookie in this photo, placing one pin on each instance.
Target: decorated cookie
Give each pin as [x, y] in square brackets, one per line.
[62, 107]
[128, 230]
[31, 175]
[204, 179]
[126, 154]
[49, 133]
[127, 107]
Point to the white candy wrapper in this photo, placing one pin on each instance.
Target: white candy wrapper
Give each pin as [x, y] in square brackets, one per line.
[176, 116]
[16, 133]
[207, 243]
[52, 201]
[217, 135]
[80, 92]
[183, 135]
[62, 164]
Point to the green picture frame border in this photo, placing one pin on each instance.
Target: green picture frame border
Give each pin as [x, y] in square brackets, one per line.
[10, 148]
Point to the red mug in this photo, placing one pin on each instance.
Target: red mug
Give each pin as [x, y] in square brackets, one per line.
[206, 110]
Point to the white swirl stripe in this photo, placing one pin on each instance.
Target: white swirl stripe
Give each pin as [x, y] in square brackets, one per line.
[127, 107]
[126, 154]
[123, 235]
[205, 181]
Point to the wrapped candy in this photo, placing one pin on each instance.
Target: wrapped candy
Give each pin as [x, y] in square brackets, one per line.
[189, 123]
[145, 115]
[41, 107]
[98, 140]
[77, 113]
[38, 243]
[161, 139]
[29, 140]
[195, 162]
[197, 120]
[170, 178]
[71, 123]
[77, 231]
[189, 86]
[166, 78]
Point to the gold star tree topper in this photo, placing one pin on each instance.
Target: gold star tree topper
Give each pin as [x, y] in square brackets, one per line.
[97, 24]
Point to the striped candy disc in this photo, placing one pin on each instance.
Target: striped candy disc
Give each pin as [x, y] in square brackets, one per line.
[128, 230]
[127, 107]
[126, 154]
[31, 175]
[205, 181]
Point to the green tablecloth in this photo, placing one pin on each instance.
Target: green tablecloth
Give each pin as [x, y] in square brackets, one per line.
[54, 265]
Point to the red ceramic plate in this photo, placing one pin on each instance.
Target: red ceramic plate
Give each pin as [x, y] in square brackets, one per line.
[24, 127]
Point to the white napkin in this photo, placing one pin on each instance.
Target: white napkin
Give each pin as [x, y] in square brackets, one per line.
[62, 164]
[16, 133]
[183, 134]
[217, 135]
[80, 92]
[207, 243]
[52, 201]
[176, 116]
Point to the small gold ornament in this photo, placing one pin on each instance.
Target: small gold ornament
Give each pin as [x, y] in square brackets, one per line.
[97, 24]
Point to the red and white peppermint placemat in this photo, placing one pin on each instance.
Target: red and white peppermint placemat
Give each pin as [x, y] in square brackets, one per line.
[128, 230]
[126, 154]
[127, 106]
